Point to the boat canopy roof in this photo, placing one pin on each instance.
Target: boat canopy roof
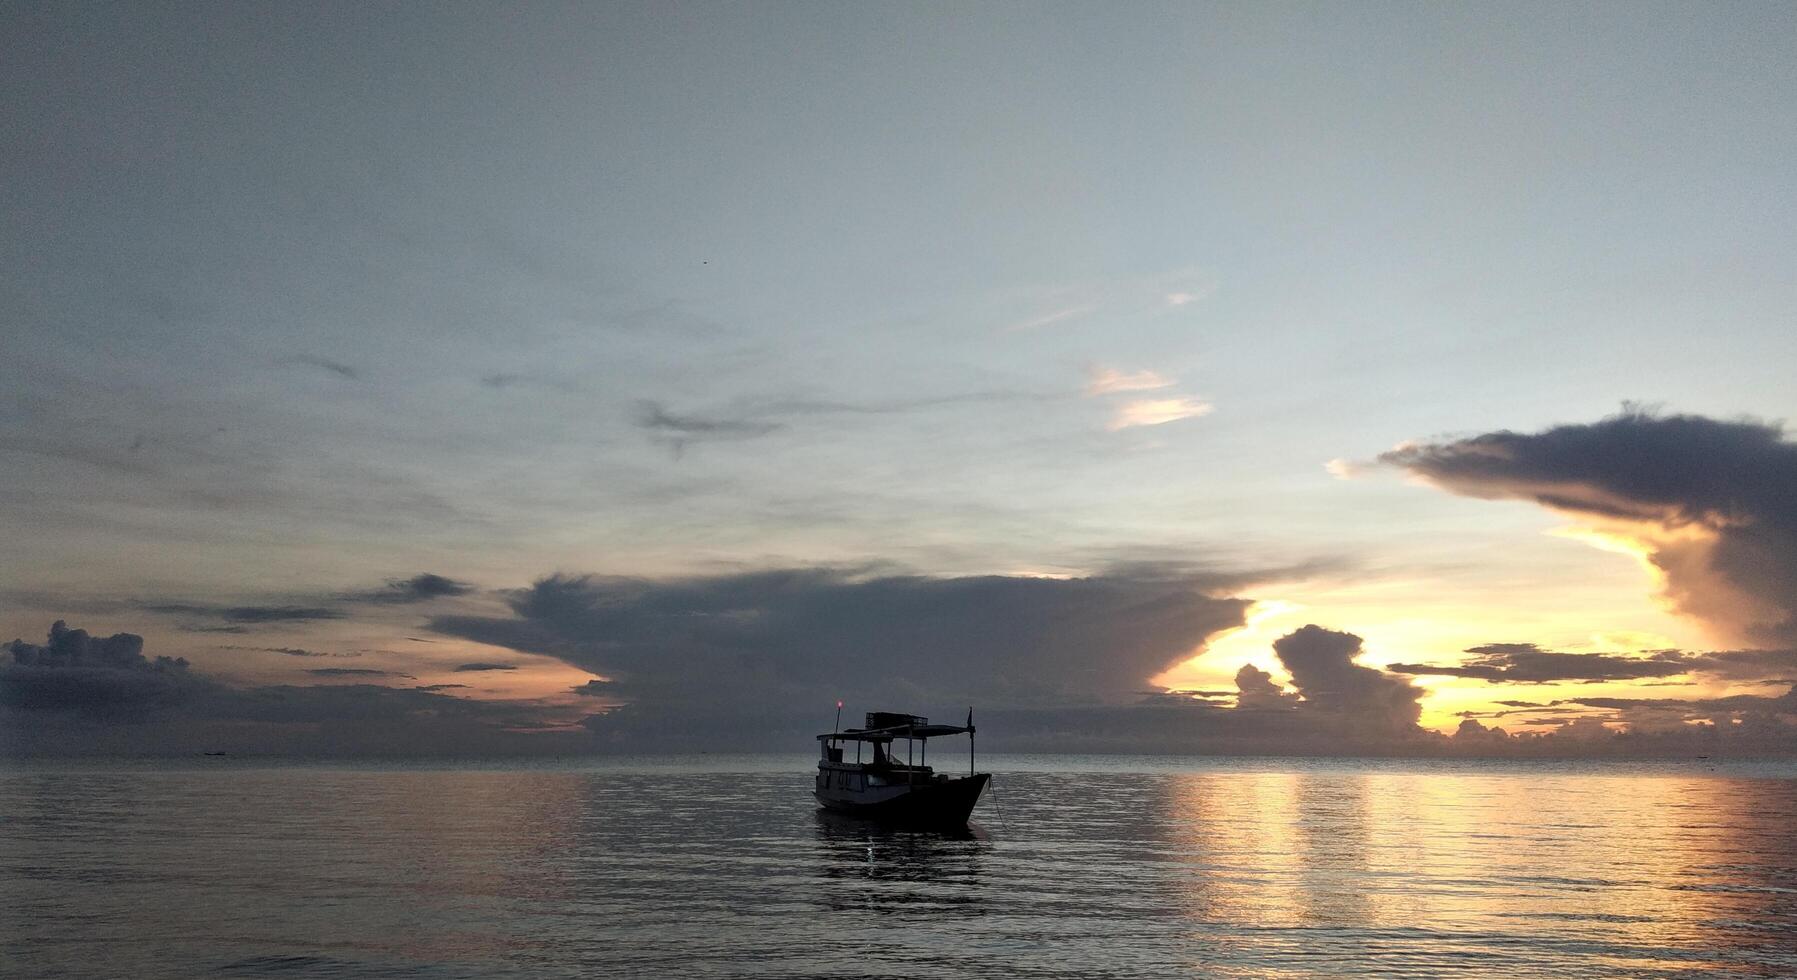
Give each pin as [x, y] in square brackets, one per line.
[896, 731]
[884, 726]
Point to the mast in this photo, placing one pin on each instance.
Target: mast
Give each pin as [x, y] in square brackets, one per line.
[970, 740]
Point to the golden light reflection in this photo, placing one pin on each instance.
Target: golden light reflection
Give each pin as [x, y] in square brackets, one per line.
[1607, 858]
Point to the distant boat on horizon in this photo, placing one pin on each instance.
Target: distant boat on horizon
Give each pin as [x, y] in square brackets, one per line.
[883, 788]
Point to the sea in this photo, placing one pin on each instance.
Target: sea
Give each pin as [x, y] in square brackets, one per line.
[721, 866]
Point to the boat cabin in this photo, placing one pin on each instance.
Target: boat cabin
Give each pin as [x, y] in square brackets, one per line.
[877, 760]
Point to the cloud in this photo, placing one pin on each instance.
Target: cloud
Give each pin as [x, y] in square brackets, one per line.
[1526, 663]
[1058, 662]
[82, 695]
[1110, 381]
[290, 651]
[1157, 411]
[1336, 707]
[277, 614]
[1745, 665]
[1056, 316]
[337, 368]
[467, 668]
[763, 408]
[238, 618]
[253, 615]
[1321, 662]
[353, 672]
[1117, 298]
[1710, 504]
[1255, 690]
[749, 648]
[418, 588]
[679, 431]
[653, 416]
[97, 677]
[752, 418]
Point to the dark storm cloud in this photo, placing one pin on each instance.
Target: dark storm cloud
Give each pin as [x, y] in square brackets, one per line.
[773, 644]
[98, 677]
[1053, 663]
[466, 668]
[1714, 502]
[1526, 663]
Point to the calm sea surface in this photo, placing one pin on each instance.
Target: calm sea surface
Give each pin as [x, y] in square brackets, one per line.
[720, 866]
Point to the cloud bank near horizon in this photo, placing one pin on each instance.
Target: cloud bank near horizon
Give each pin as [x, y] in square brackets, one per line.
[740, 649]
[1060, 663]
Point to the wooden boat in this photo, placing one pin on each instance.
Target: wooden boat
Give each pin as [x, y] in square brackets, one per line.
[877, 785]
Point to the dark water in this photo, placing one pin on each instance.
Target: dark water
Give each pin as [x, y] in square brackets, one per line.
[721, 867]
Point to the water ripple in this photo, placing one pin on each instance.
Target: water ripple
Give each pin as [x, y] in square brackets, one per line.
[723, 867]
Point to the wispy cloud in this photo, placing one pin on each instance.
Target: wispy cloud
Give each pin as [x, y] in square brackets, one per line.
[1157, 411]
[337, 368]
[245, 614]
[290, 651]
[1046, 319]
[1526, 663]
[1110, 381]
[418, 588]
[655, 417]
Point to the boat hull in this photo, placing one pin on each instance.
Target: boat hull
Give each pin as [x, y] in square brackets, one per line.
[945, 803]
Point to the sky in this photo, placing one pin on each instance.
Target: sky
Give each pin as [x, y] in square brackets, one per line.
[1376, 378]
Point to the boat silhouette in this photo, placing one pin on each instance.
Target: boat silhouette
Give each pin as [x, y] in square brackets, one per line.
[880, 787]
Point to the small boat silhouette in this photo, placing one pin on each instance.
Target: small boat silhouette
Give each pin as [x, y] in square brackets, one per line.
[884, 788]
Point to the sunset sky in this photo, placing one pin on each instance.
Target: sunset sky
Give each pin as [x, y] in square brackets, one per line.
[555, 378]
